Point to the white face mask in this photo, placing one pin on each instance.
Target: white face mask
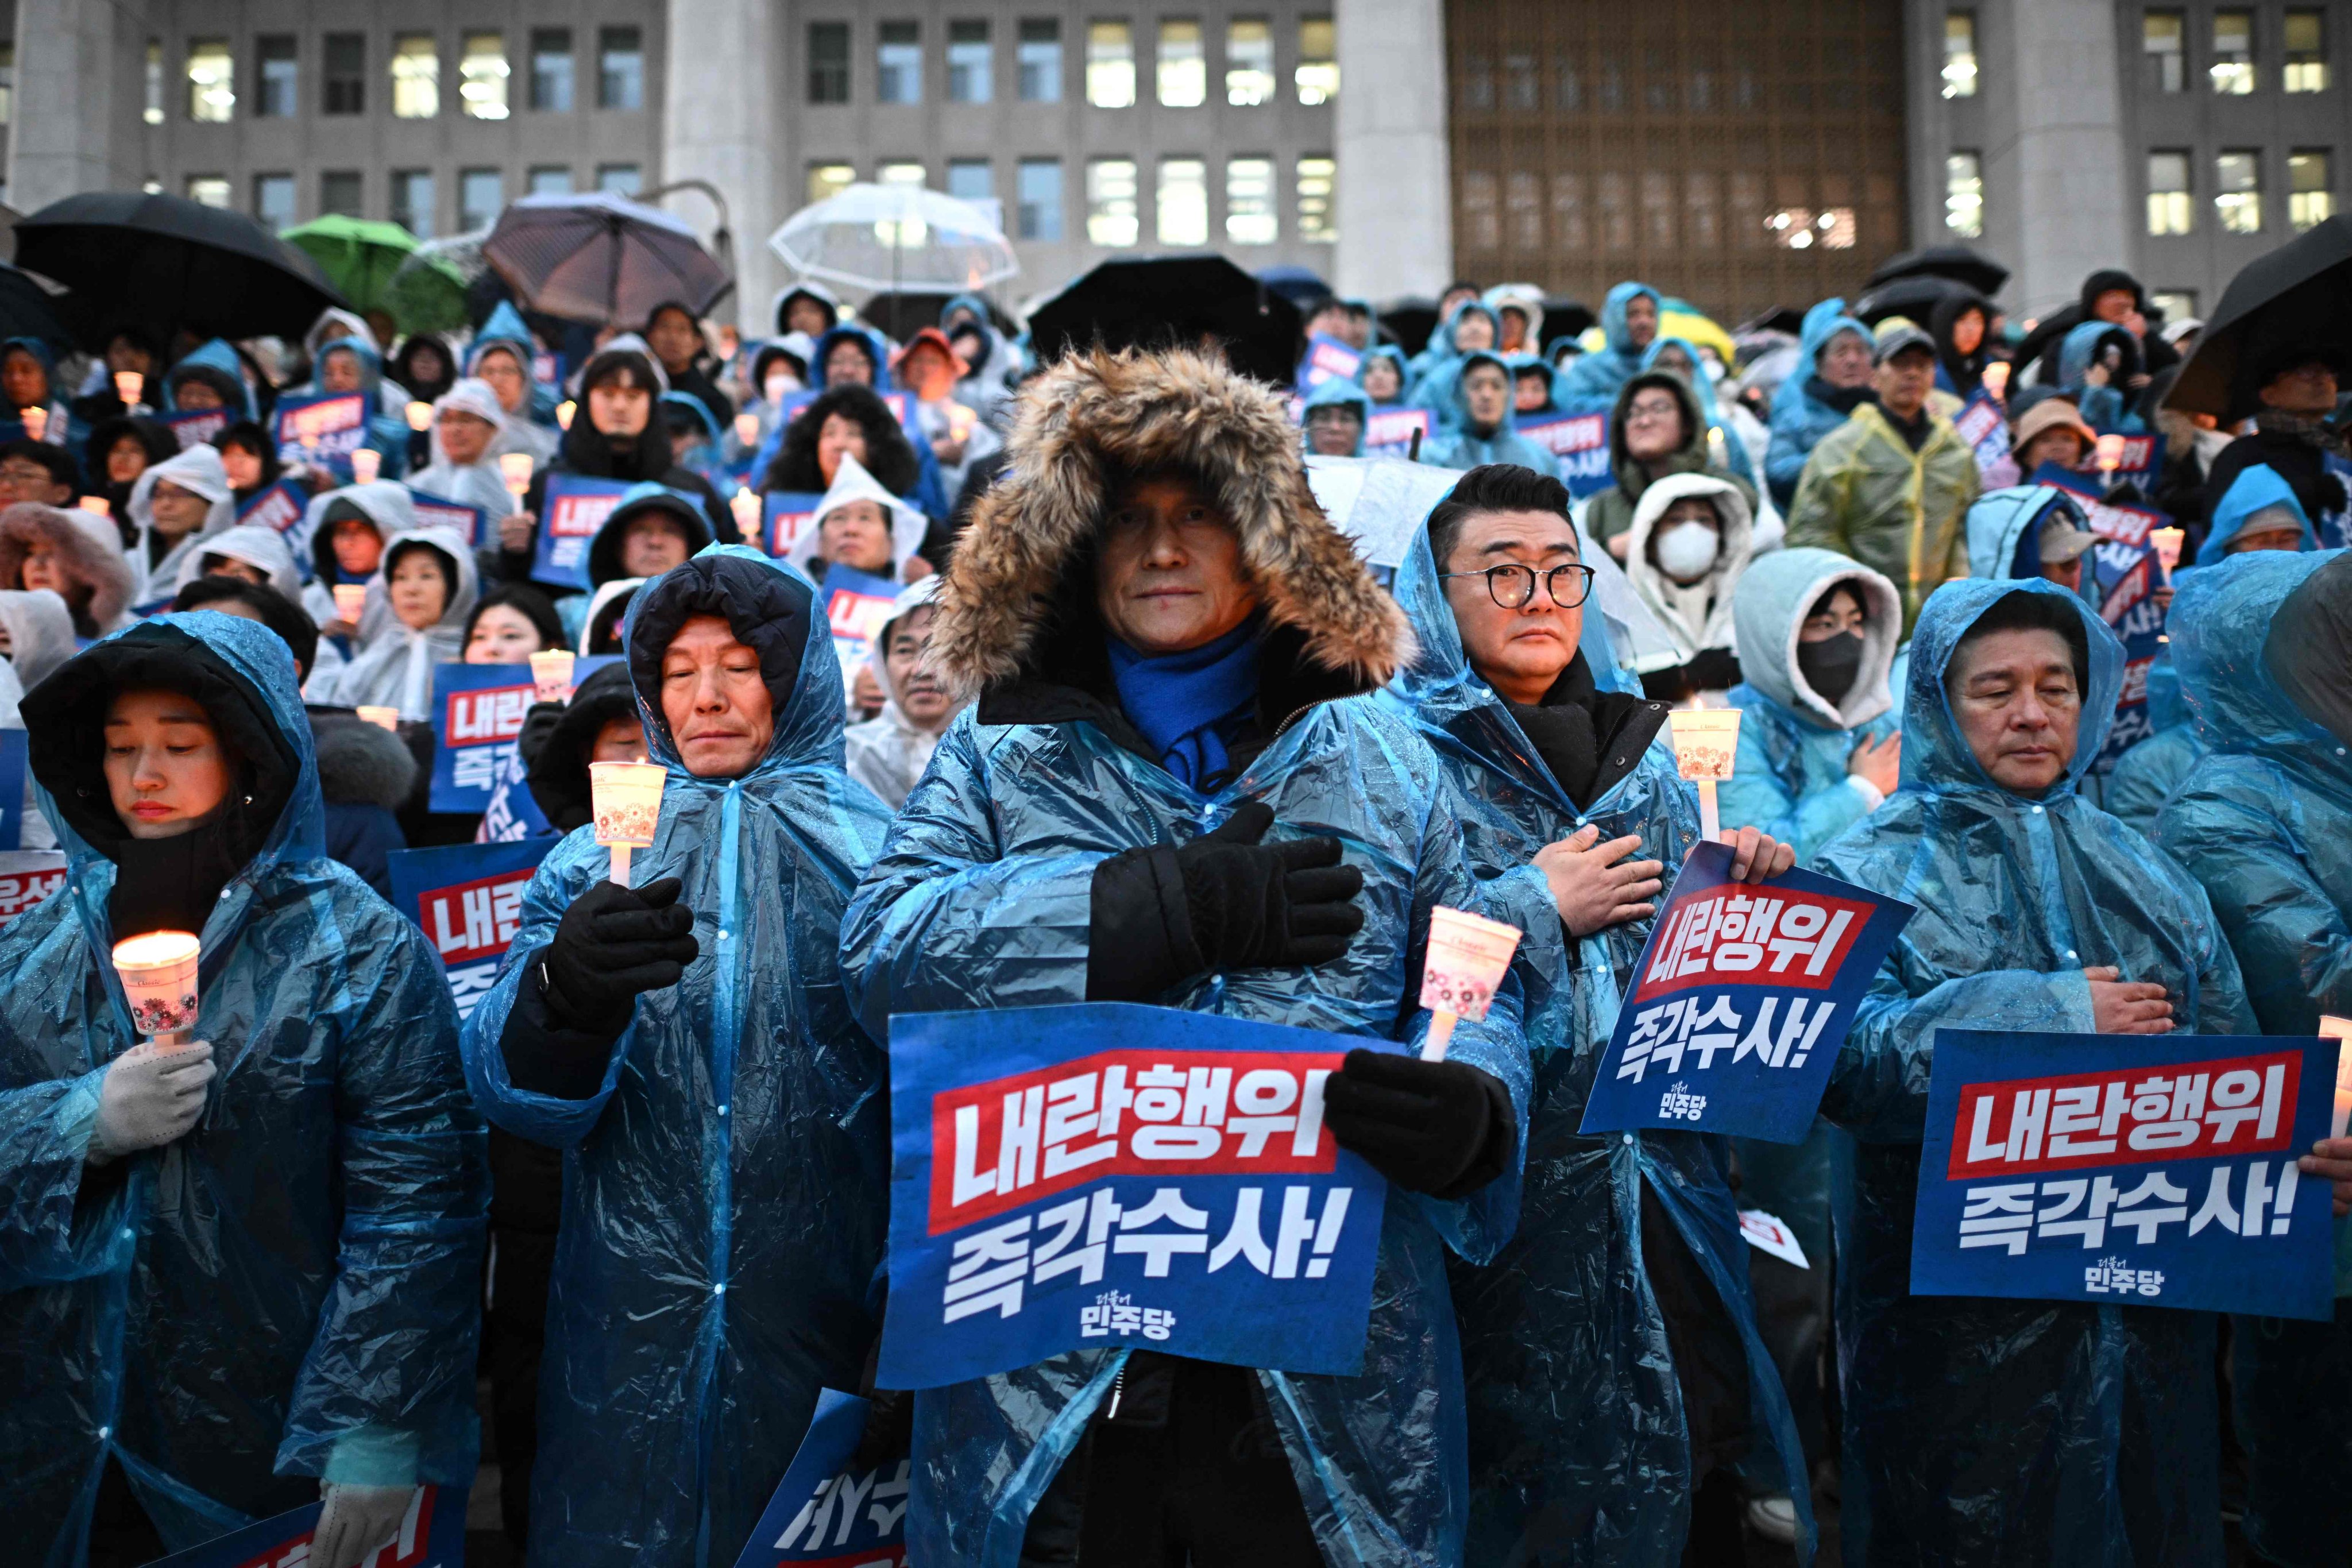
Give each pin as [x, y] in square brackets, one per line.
[1686, 550]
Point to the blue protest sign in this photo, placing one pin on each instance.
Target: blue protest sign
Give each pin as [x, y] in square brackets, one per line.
[1108, 1175]
[571, 509]
[432, 1535]
[2123, 579]
[440, 511]
[1983, 423]
[12, 754]
[280, 506]
[194, 429]
[1740, 998]
[1327, 359]
[467, 901]
[2152, 1170]
[478, 712]
[321, 431]
[824, 1512]
[1581, 442]
[1390, 432]
[782, 515]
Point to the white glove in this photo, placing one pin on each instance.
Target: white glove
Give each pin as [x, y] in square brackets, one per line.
[355, 1521]
[151, 1095]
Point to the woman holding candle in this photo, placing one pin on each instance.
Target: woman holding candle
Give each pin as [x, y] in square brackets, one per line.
[174, 504]
[205, 1314]
[429, 584]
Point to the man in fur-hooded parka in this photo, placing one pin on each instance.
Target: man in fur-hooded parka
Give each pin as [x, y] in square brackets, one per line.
[1216, 821]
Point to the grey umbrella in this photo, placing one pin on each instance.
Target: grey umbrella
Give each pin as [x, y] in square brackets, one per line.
[601, 258]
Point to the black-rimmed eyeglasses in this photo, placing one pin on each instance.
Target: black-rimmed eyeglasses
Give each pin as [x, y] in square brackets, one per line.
[1513, 586]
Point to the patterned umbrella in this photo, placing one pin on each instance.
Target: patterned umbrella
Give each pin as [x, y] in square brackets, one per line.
[601, 258]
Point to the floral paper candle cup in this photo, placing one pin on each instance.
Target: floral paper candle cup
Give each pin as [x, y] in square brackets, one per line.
[420, 415]
[366, 463]
[551, 674]
[158, 972]
[130, 386]
[515, 469]
[1705, 741]
[626, 798]
[351, 598]
[2340, 1031]
[1468, 956]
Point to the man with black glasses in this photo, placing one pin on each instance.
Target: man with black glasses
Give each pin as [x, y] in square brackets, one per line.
[1610, 1352]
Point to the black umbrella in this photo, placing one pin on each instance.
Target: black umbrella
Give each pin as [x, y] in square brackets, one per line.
[1298, 285]
[29, 310]
[1157, 301]
[1914, 297]
[899, 314]
[172, 265]
[1566, 318]
[1409, 319]
[1956, 262]
[1778, 319]
[2295, 302]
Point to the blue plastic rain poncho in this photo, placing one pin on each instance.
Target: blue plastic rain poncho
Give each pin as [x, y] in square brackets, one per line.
[2005, 530]
[1457, 446]
[2265, 824]
[289, 1290]
[1790, 779]
[1725, 450]
[213, 364]
[983, 899]
[724, 1189]
[1981, 1430]
[2104, 408]
[1395, 356]
[1429, 385]
[1336, 393]
[1589, 386]
[387, 428]
[530, 428]
[2143, 777]
[1800, 416]
[2255, 490]
[1579, 1445]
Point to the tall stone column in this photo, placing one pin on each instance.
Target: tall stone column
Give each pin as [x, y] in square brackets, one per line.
[1395, 200]
[2072, 195]
[720, 123]
[79, 95]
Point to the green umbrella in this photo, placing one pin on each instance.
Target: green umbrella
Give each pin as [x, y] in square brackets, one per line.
[357, 255]
[428, 294]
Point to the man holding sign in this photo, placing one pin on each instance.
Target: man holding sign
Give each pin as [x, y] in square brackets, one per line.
[1610, 1349]
[1168, 794]
[1979, 1429]
[687, 1043]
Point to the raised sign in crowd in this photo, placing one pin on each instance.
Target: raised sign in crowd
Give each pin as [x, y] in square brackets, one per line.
[1551, 949]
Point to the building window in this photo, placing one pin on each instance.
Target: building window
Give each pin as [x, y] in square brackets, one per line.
[551, 69]
[1039, 210]
[480, 194]
[2168, 211]
[2238, 191]
[207, 190]
[829, 62]
[416, 77]
[971, 179]
[1249, 61]
[1317, 224]
[273, 201]
[274, 54]
[339, 193]
[972, 63]
[153, 112]
[620, 68]
[1183, 202]
[827, 180]
[212, 84]
[2232, 70]
[2176, 304]
[1959, 54]
[1249, 217]
[1040, 59]
[898, 63]
[346, 73]
[1110, 201]
[2161, 34]
[1964, 194]
[549, 180]
[482, 76]
[1110, 66]
[1182, 65]
[620, 179]
[412, 201]
[1317, 76]
[2310, 195]
[903, 172]
[2306, 51]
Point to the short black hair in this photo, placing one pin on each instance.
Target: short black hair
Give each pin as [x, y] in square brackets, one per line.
[63, 469]
[1496, 486]
[277, 612]
[2024, 610]
[531, 603]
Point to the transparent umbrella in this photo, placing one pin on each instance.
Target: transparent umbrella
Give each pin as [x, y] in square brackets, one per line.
[894, 238]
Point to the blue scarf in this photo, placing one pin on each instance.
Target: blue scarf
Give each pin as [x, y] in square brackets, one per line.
[1185, 703]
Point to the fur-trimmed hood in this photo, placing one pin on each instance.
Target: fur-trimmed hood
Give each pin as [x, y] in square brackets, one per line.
[1094, 414]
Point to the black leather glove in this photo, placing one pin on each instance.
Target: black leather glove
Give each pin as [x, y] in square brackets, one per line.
[613, 942]
[1162, 915]
[538, 725]
[1441, 1127]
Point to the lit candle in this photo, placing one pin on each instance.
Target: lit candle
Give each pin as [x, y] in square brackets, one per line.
[1705, 741]
[1467, 958]
[551, 674]
[1995, 380]
[366, 463]
[351, 598]
[626, 800]
[2340, 1031]
[375, 714]
[2111, 454]
[34, 420]
[515, 469]
[97, 506]
[420, 415]
[746, 508]
[563, 412]
[746, 429]
[2167, 542]
[129, 385]
[158, 972]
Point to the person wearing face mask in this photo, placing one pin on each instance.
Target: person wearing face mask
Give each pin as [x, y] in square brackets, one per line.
[1656, 429]
[174, 505]
[2265, 822]
[242, 1272]
[73, 554]
[430, 588]
[1981, 1429]
[1831, 380]
[1689, 543]
[1485, 429]
[889, 752]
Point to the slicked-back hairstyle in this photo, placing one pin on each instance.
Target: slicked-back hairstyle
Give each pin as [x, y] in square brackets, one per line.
[1496, 487]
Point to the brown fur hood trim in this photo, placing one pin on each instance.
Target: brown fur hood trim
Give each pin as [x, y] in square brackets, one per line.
[1100, 413]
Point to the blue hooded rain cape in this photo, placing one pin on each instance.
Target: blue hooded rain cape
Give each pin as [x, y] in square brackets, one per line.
[1589, 386]
[1800, 419]
[2255, 490]
[1339, 392]
[1454, 447]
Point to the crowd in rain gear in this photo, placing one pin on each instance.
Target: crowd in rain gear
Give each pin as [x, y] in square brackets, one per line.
[1805, 408]
[734, 1284]
[982, 897]
[2264, 822]
[1610, 513]
[336, 1177]
[1462, 443]
[1979, 1428]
